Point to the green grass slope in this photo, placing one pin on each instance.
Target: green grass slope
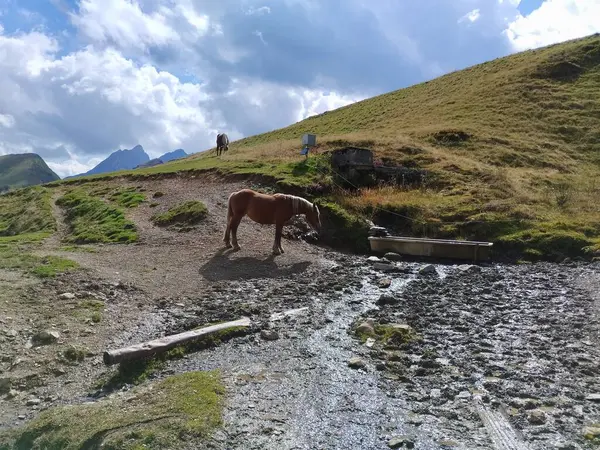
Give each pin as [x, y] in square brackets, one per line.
[511, 149]
[23, 170]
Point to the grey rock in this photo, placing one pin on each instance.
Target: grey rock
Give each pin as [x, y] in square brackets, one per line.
[392, 256]
[401, 442]
[387, 299]
[11, 394]
[464, 395]
[12, 333]
[269, 335]
[373, 259]
[416, 421]
[33, 402]
[565, 446]
[469, 268]
[365, 328]
[384, 283]
[67, 296]
[537, 417]
[384, 267]
[46, 337]
[428, 270]
[356, 363]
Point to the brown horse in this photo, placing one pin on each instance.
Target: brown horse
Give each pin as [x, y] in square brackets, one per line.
[267, 209]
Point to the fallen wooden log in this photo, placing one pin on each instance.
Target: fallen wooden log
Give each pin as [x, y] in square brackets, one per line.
[163, 344]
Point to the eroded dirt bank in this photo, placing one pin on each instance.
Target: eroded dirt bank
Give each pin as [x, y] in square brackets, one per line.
[517, 344]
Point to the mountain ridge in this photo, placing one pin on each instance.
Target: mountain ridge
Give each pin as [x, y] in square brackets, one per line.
[169, 156]
[24, 169]
[122, 159]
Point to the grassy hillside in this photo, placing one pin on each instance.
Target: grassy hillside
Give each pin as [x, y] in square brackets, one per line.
[23, 170]
[511, 149]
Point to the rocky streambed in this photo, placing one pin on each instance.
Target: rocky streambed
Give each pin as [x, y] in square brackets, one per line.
[365, 353]
[493, 356]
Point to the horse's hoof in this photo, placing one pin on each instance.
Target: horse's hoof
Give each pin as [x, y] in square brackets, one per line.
[236, 247]
[227, 245]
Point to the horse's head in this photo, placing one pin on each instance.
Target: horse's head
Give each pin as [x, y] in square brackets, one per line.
[313, 217]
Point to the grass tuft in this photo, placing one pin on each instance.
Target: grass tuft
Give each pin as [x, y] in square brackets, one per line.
[179, 411]
[15, 256]
[128, 198]
[26, 211]
[50, 266]
[187, 213]
[91, 220]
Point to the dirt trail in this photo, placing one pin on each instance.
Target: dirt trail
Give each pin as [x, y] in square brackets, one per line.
[171, 264]
[55, 240]
[523, 339]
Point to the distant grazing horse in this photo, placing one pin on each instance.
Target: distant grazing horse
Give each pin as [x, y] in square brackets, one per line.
[222, 143]
[267, 209]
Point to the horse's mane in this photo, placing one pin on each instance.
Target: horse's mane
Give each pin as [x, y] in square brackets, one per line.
[297, 202]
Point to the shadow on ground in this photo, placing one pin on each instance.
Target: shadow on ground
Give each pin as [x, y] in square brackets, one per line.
[225, 266]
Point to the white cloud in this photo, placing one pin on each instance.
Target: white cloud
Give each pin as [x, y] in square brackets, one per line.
[555, 21]
[259, 11]
[92, 102]
[7, 121]
[75, 109]
[251, 104]
[124, 22]
[72, 166]
[472, 16]
[513, 3]
[260, 36]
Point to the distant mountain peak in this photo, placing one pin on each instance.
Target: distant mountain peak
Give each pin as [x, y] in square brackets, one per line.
[24, 169]
[123, 159]
[175, 154]
[170, 156]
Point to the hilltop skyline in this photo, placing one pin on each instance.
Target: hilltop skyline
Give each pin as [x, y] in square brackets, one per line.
[82, 79]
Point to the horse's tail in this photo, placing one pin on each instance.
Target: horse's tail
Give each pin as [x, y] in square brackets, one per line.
[229, 208]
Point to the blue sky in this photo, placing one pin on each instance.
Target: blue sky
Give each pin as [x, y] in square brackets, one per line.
[82, 78]
[526, 7]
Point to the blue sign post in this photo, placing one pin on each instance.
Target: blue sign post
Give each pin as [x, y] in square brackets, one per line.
[308, 140]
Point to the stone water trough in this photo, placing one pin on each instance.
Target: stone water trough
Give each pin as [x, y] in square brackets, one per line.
[435, 248]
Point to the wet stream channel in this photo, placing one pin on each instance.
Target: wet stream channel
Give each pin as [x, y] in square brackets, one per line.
[508, 359]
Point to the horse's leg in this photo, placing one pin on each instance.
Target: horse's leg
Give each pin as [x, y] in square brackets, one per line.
[226, 238]
[280, 246]
[277, 250]
[235, 222]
